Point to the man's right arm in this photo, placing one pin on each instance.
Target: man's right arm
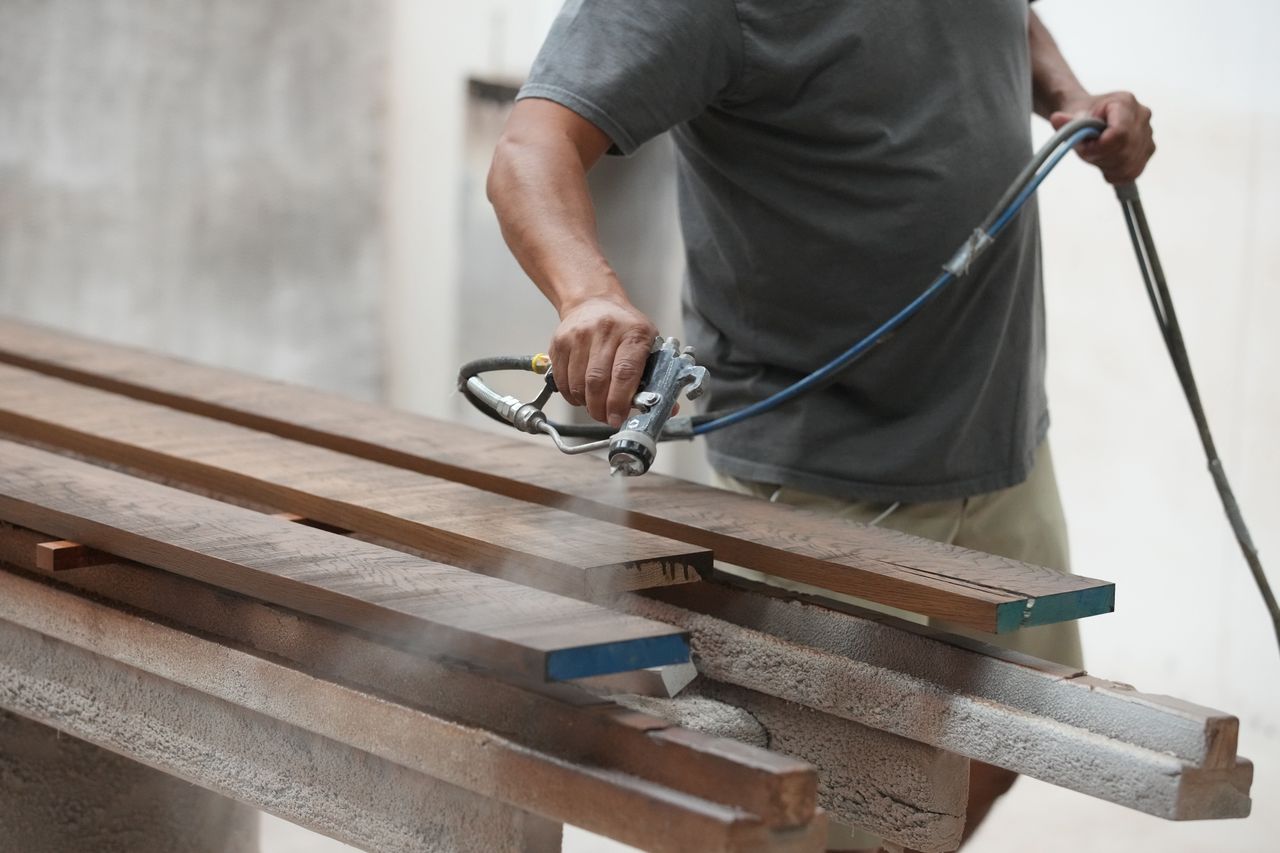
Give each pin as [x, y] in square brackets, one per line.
[538, 187]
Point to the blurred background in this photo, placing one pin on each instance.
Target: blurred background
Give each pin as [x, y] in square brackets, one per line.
[295, 189]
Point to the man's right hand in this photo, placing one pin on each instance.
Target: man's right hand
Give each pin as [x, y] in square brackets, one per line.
[598, 354]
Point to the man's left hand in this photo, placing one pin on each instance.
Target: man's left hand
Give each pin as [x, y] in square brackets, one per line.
[1123, 149]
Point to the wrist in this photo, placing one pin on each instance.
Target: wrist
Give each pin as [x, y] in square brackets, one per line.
[1075, 102]
[607, 288]
[1066, 99]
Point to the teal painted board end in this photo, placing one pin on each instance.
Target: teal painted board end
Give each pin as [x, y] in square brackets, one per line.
[623, 656]
[1059, 607]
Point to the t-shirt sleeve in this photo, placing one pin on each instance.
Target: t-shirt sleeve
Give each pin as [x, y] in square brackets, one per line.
[636, 68]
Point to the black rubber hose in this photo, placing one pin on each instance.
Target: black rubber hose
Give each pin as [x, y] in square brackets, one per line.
[1162, 303]
[522, 362]
[1041, 157]
[482, 406]
[494, 362]
[485, 365]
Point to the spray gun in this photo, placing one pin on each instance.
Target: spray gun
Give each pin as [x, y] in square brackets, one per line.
[669, 372]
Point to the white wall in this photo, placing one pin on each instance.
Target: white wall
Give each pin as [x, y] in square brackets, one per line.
[435, 46]
[1142, 509]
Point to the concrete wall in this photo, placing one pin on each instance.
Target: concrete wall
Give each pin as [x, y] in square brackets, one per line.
[435, 47]
[203, 178]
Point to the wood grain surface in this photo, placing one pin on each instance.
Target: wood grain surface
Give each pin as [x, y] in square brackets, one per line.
[526, 543]
[427, 606]
[980, 591]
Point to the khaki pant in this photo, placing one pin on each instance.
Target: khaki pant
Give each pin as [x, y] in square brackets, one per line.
[1023, 522]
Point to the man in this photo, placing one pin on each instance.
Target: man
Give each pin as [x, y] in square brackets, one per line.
[831, 156]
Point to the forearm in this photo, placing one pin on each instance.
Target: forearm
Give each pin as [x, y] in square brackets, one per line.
[538, 187]
[1054, 85]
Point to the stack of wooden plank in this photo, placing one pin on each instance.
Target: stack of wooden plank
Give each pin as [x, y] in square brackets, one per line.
[447, 583]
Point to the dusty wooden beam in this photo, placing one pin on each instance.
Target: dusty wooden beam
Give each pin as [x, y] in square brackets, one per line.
[61, 556]
[431, 607]
[924, 806]
[558, 719]
[964, 587]
[1202, 736]
[534, 545]
[49, 630]
[1150, 753]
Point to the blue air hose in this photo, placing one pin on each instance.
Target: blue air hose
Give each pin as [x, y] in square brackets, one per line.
[1006, 209]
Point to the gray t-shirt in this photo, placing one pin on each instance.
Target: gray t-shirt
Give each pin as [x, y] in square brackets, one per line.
[831, 157]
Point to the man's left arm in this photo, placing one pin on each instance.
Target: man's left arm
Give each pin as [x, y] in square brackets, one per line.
[1123, 149]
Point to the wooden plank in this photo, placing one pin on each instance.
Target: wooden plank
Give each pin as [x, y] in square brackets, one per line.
[434, 608]
[981, 591]
[1214, 734]
[555, 718]
[1217, 793]
[471, 758]
[529, 544]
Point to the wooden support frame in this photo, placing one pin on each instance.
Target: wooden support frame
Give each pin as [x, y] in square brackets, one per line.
[561, 720]
[898, 789]
[934, 691]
